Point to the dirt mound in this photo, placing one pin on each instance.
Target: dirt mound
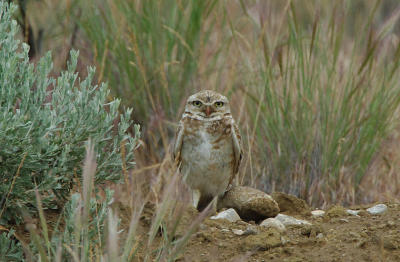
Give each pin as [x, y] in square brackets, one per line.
[339, 234]
[290, 204]
[336, 211]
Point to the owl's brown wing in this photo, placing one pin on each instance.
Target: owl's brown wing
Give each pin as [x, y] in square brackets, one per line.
[237, 151]
[178, 143]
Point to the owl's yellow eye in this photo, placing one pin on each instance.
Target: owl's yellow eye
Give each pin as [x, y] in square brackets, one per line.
[197, 103]
[219, 104]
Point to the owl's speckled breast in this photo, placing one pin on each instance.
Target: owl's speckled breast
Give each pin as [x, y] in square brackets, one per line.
[207, 155]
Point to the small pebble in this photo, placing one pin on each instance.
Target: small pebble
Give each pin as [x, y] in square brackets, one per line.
[289, 221]
[361, 243]
[251, 230]
[238, 232]
[275, 223]
[390, 223]
[241, 222]
[230, 214]
[353, 212]
[354, 235]
[377, 209]
[317, 213]
[284, 240]
[390, 244]
[202, 227]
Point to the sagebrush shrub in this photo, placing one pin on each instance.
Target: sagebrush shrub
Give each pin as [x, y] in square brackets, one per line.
[10, 249]
[45, 123]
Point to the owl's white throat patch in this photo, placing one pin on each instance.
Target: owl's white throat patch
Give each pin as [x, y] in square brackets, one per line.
[205, 147]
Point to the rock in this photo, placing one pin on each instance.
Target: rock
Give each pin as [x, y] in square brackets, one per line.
[353, 212]
[266, 239]
[250, 203]
[336, 211]
[354, 235]
[243, 223]
[377, 209]
[285, 240]
[390, 243]
[391, 224]
[362, 243]
[238, 232]
[318, 213]
[229, 214]
[275, 223]
[291, 221]
[250, 230]
[290, 204]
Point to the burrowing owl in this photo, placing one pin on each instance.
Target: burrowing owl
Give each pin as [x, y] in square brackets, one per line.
[207, 146]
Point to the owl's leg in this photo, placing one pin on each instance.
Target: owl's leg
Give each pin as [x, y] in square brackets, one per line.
[207, 202]
[196, 197]
[214, 205]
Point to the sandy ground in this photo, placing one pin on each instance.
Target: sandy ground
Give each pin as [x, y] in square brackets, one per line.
[335, 237]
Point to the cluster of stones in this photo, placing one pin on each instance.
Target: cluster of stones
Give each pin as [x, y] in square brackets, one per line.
[254, 205]
[375, 210]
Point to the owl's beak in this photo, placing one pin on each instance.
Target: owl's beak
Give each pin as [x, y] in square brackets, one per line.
[209, 110]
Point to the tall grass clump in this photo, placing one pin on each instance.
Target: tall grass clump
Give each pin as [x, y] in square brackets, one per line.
[92, 229]
[149, 50]
[322, 98]
[44, 123]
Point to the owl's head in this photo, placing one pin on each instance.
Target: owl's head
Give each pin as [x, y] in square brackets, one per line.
[208, 104]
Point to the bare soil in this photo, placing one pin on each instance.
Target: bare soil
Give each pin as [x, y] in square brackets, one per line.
[335, 237]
